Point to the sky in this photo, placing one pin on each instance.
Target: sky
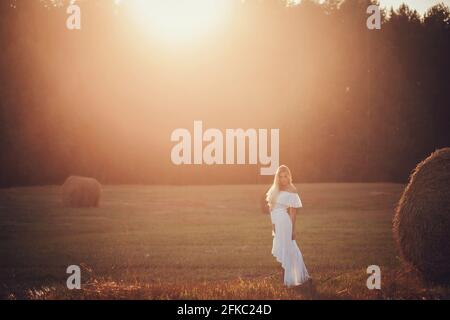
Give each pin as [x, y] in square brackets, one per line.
[420, 5]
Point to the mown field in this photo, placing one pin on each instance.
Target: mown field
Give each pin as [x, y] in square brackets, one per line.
[200, 242]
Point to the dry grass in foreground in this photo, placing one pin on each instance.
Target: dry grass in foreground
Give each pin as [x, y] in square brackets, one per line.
[396, 284]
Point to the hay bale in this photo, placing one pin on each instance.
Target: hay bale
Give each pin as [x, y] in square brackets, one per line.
[422, 219]
[81, 192]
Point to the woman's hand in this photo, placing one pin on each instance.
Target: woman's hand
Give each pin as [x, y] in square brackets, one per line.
[293, 235]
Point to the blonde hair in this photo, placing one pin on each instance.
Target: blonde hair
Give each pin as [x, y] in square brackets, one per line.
[274, 190]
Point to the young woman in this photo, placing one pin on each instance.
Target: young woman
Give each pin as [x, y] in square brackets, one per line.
[283, 201]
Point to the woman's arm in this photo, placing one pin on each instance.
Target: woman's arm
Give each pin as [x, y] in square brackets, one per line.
[293, 215]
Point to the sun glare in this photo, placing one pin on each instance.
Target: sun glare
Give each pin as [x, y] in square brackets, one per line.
[179, 20]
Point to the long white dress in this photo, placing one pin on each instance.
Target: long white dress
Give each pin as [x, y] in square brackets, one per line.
[286, 250]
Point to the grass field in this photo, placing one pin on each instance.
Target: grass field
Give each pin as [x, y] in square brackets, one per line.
[200, 242]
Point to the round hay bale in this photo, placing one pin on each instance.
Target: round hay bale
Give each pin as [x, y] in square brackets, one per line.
[80, 192]
[422, 219]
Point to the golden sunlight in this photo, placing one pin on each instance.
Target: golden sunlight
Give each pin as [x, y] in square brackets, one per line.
[179, 20]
